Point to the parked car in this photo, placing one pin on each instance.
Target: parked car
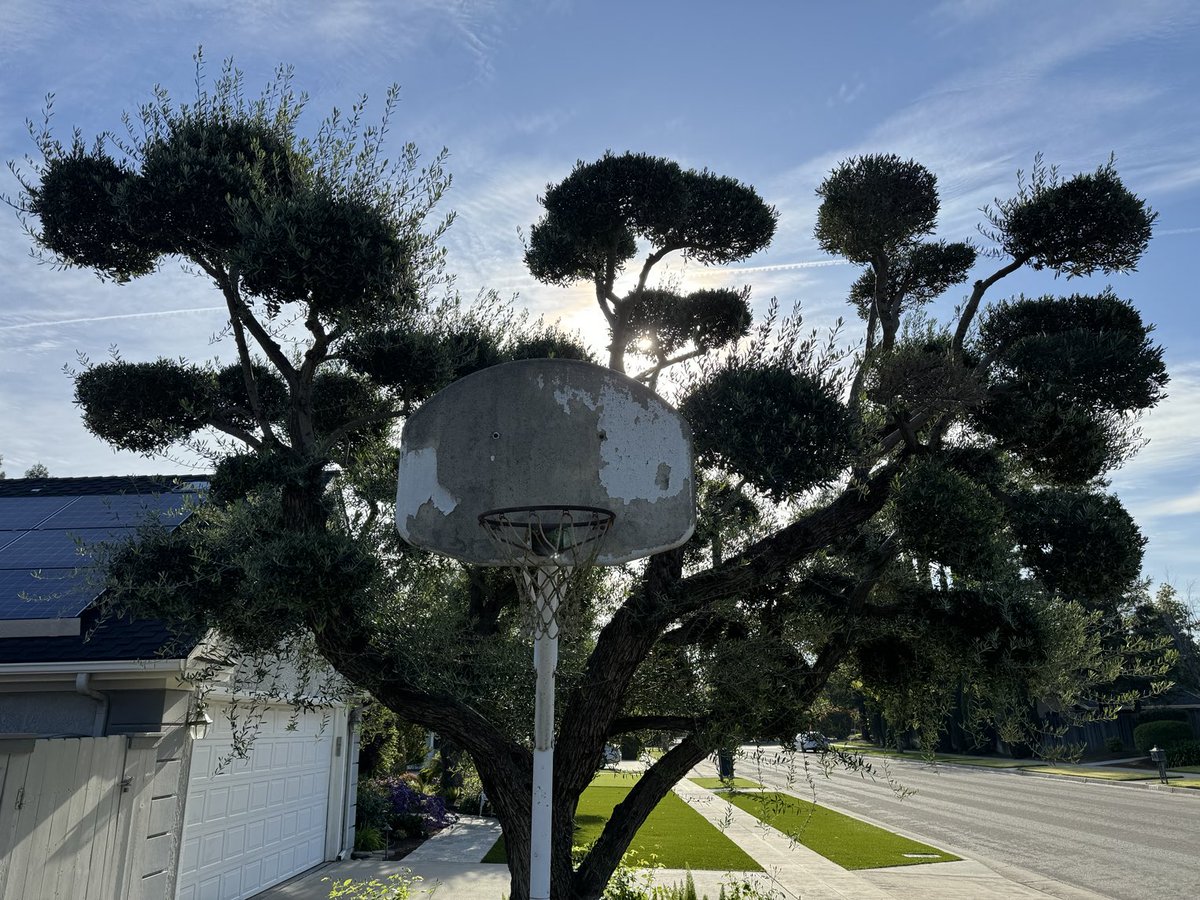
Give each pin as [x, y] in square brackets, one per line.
[811, 742]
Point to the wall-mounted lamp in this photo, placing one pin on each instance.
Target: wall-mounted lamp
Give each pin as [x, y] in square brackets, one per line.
[198, 725]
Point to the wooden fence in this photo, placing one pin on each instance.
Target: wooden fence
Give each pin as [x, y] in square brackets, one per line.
[74, 814]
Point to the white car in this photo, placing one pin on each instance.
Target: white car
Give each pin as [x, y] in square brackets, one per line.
[811, 742]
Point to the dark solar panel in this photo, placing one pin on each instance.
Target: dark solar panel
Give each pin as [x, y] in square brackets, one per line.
[58, 549]
[40, 545]
[46, 594]
[120, 510]
[20, 513]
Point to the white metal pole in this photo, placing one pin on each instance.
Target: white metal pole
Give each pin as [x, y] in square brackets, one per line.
[545, 662]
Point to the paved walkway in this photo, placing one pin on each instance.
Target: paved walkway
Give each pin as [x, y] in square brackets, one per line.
[450, 861]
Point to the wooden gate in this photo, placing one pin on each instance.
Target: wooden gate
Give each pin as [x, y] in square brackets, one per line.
[73, 815]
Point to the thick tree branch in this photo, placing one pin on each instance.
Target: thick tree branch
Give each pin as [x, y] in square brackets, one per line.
[631, 813]
[625, 724]
[759, 563]
[972, 305]
[234, 431]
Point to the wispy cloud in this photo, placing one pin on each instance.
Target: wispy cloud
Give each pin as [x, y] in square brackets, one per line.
[846, 93]
[91, 319]
[1187, 505]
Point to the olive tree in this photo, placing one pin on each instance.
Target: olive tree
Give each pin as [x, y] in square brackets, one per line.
[920, 508]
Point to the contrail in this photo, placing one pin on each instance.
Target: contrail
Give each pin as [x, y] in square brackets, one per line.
[139, 315]
[810, 264]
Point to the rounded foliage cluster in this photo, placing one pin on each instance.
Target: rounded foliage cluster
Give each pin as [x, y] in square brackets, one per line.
[780, 430]
[144, 407]
[194, 175]
[1080, 544]
[595, 216]
[342, 256]
[80, 204]
[873, 205]
[943, 516]
[1086, 224]
[1085, 349]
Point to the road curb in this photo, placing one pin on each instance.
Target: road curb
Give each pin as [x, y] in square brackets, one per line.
[1146, 784]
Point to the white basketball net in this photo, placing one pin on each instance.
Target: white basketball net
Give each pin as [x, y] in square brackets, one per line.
[549, 549]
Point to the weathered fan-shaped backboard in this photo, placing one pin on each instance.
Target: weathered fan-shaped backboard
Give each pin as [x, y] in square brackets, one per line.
[546, 432]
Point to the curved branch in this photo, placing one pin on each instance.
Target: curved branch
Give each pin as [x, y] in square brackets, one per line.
[234, 431]
[630, 813]
[972, 307]
[771, 556]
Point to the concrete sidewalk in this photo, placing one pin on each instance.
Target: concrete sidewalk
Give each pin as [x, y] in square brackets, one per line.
[449, 864]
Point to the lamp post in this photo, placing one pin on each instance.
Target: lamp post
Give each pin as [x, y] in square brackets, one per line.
[1159, 757]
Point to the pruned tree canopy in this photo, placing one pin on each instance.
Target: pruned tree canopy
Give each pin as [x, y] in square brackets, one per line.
[927, 511]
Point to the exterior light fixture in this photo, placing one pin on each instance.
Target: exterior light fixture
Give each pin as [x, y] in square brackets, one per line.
[198, 725]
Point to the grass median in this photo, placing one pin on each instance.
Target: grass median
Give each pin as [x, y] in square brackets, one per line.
[849, 842]
[724, 784]
[674, 835]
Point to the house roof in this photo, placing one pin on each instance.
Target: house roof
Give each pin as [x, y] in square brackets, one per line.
[47, 599]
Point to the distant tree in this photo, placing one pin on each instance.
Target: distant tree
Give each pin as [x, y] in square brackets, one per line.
[1, 463]
[946, 524]
[37, 470]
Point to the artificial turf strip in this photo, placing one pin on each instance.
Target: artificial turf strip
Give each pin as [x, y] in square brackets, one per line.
[716, 784]
[1100, 773]
[850, 843]
[674, 836]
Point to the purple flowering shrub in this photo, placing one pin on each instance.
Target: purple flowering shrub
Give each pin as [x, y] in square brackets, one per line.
[412, 811]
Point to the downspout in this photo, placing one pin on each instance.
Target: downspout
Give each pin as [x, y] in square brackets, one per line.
[352, 720]
[82, 682]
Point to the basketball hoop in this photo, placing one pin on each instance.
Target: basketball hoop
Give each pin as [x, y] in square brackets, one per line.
[515, 439]
[549, 548]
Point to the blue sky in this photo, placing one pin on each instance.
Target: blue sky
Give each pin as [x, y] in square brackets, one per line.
[772, 93]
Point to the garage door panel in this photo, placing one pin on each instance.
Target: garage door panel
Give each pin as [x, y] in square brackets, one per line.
[259, 822]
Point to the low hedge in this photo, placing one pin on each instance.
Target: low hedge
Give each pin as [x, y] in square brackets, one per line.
[1184, 753]
[1162, 734]
[1160, 715]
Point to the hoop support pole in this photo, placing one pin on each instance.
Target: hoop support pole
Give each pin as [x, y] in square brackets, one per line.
[545, 663]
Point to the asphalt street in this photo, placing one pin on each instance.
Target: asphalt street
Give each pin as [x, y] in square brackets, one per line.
[1122, 842]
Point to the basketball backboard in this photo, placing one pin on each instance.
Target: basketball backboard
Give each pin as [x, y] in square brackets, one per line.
[546, 432]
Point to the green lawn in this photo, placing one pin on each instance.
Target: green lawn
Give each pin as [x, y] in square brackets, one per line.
[850, 843]
[1187, 783]
[674, 836]
[1102, 773]
[716, 784]
[1193, 769]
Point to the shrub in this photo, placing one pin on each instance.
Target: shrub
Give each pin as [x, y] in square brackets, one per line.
[374, 805]
[1161, 715]
[1114, 744]
[411, 811]
[1183, 753]
[368, 839]
[1163, 734]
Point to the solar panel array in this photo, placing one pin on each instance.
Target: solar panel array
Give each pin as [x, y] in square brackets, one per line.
[47, 545]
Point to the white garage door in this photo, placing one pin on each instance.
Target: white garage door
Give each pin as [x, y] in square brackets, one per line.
[260, 820]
